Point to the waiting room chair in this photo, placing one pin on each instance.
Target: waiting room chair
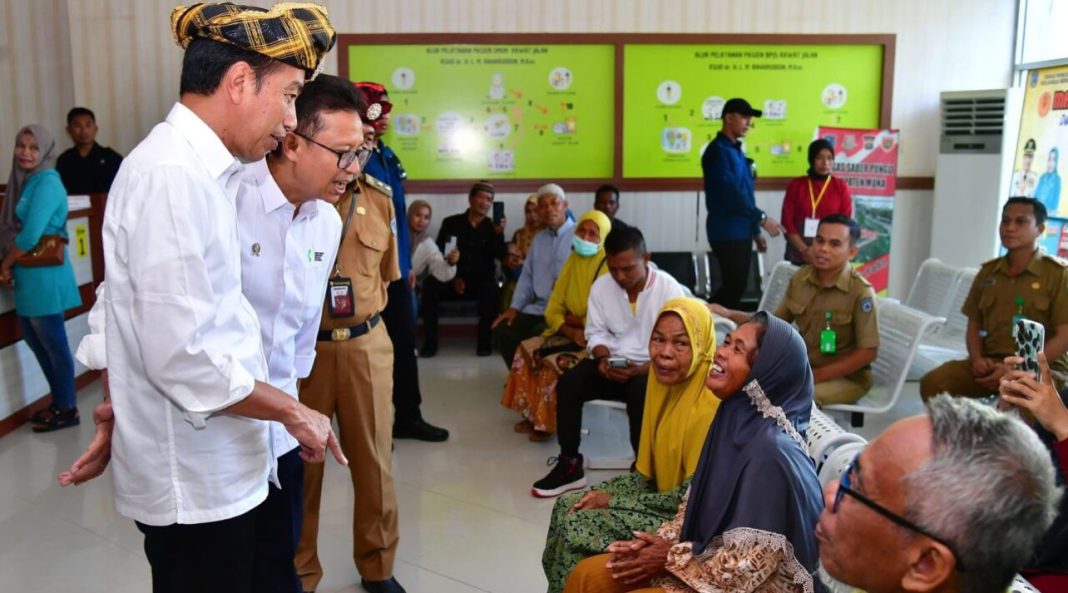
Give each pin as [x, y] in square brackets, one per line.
[775, 288]
[900, 331]
[946, 342]
[682, 265]
[933, 289]
[606, 435]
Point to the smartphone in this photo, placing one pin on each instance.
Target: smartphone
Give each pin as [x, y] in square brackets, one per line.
[498, 212]
[617, 362]
[450, 245]
[1030, 339]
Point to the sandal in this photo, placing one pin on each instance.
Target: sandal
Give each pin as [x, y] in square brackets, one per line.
[523, 426]
[55, 418]
[539, 436]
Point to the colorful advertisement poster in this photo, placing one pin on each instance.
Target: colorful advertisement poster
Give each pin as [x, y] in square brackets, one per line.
[497, 111]
[1043, 136]
[867, 161]
[673, 96]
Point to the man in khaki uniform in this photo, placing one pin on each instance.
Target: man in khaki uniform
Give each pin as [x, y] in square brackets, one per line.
[353, 379]
[833, 307]
[1025, 280]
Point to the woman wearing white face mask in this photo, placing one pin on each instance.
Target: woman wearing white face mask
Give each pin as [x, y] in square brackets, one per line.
[539, 362]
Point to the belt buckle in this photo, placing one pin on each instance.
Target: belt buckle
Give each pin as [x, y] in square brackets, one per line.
[340, 334]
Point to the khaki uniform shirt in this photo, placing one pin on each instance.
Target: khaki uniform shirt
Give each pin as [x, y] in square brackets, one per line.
[368, 254]
[992, 302]
[851, 302]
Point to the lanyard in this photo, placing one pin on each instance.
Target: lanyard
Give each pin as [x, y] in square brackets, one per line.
[816, 200]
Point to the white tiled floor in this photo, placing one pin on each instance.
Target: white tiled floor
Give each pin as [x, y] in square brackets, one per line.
[467, 520]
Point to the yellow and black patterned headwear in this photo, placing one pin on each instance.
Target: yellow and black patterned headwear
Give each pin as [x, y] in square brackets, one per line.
[297, 33]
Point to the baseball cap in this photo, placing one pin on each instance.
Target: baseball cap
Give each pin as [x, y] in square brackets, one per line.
[741, 106]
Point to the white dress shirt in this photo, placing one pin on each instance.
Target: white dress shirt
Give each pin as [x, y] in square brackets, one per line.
[182, 341]
[427, 259]
[610, 322]
[286, 260]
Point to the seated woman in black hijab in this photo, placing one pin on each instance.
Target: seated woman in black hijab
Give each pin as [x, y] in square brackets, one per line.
[747, 522]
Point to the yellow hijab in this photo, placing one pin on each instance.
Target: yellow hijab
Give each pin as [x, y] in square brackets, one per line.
[572, 288]
[677, 417]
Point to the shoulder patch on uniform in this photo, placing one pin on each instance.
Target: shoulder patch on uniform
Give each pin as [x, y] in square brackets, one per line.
[866, 304]
[378, 185]
[393, 225]
[1060, 261]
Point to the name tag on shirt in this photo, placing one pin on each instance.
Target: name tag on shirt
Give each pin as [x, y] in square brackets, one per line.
[811, 226]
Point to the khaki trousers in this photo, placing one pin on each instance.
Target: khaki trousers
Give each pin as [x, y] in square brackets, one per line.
[842, 390]
[353, 381]
[955, 378]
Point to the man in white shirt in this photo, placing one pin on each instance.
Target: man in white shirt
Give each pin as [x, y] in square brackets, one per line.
[187, 371]
[289, 240]
[622, 310]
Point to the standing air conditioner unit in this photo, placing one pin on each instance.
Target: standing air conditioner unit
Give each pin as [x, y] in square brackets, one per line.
[972, 174]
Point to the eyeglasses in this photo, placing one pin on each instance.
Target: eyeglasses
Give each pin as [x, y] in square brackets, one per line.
[345, 158]
[845, 486]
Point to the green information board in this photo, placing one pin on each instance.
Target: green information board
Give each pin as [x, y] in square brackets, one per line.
[673, 94]
[492, 111]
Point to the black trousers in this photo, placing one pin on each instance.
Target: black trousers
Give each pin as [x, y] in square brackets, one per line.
[508, 337]
[582, 384]
[734, 260]
[485, 292]
[250, 553]
[400, 324]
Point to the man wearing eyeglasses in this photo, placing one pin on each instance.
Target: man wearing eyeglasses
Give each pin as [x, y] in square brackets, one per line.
[352, 377]
[956, 500]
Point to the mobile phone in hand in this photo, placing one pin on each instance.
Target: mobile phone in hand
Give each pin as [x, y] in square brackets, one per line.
[498, 212]
[1030, 340]
[617, 362]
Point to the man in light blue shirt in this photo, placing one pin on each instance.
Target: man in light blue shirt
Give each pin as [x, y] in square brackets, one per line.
[548, 252]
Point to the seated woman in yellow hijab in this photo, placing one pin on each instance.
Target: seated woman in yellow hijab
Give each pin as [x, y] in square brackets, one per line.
[539, 361]
[678, 411]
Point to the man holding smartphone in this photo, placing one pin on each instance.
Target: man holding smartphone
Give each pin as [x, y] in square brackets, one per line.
[622, 311]
[1025, 282]
[480, 241]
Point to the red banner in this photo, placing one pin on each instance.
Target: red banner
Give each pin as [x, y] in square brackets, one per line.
[867, 161]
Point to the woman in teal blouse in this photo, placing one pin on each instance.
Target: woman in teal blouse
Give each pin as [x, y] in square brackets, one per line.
[36, 205]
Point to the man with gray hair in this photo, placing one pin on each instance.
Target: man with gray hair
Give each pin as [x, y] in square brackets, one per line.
[956, 500]
[548, 252]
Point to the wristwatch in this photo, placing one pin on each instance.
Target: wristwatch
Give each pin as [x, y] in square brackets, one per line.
[763, 216]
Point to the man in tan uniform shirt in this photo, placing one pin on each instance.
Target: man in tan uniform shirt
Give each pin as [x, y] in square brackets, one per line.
[353, 379]
[830, 294]
[1026, 278]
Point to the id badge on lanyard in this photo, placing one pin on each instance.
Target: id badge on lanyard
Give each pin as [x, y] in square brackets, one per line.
[812, 223]
[340, 301]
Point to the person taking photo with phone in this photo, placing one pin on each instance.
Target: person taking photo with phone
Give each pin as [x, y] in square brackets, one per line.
[480, 241]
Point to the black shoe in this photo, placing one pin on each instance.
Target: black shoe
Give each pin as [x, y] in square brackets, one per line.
[565, 475]
[55, 418]
[430, 348]
[420, 430]
[389, 585]
[483, 350]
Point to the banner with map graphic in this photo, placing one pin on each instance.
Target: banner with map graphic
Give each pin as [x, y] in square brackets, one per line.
[867, 161]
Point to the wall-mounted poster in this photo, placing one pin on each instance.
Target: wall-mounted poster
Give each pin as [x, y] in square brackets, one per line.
[496, 111]
[673, 95]
[1043, 137]
[867, 161]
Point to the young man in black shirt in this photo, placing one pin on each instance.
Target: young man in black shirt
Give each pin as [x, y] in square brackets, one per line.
[87, 167]
[480, 241]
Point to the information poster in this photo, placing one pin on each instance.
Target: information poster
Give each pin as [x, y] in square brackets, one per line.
[1043, 135]
[673, 96]
[496, 111]
[867, 161]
